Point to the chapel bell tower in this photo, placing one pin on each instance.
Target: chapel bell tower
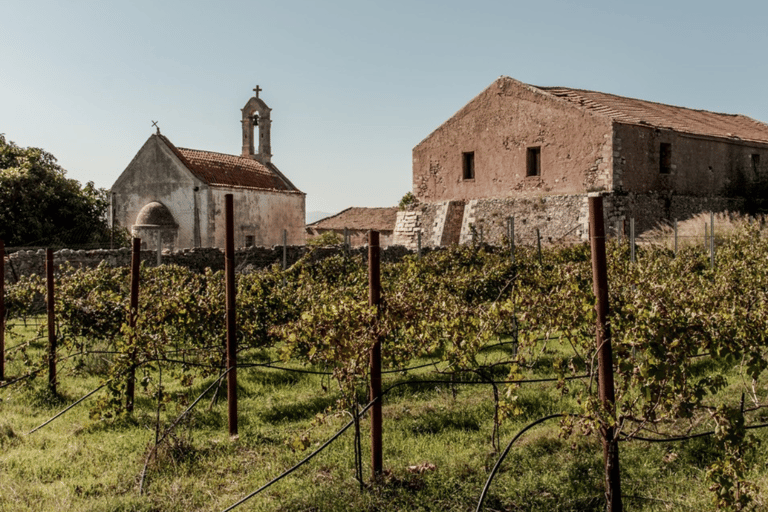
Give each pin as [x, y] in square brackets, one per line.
[256, 113]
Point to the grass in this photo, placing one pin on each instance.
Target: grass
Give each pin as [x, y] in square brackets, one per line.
[438, 451]
[690, 232]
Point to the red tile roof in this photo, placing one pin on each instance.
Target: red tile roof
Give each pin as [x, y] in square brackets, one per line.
[681, 119]
[379, 219]
[218, 169]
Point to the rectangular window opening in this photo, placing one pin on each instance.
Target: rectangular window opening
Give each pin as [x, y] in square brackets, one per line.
[665, 158]
[249, 239]
[468, 165]
[755, 162]
[533, 162]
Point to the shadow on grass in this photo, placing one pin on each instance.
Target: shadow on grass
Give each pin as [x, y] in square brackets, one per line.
[273, 377]
[296, 411]
[434, 422]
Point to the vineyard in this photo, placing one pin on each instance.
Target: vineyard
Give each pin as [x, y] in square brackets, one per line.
[480, 347]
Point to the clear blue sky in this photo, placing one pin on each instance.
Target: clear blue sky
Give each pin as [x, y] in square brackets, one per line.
[353, 85]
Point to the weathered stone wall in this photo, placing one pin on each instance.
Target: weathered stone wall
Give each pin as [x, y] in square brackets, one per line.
[175, 187]
[25, 263]
[654, 209]
[700, 165]
[261, 214]
[498, 127]
[421, 218]
[559, 219]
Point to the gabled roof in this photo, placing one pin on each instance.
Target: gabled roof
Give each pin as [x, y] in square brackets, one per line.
[659, 115]
[219, 169]
[378, 219]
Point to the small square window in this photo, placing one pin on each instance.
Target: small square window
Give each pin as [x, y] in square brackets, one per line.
[533, 161]
[468, 165]
[665, 158]
[249, 240]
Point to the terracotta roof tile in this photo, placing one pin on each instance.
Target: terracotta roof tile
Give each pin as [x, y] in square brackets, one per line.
[379, 219]
[219, 169]
[634, 111]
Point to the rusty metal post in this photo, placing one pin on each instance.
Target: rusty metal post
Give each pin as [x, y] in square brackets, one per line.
[50, 300]
[538, 244]
[229, 270]
[512, 239]
[712, 239]
[159, 248]
[2, 310]
[418, 244]
[133, 314]
[374, 299]
[604, 353]
[675, 238]
[285, 249]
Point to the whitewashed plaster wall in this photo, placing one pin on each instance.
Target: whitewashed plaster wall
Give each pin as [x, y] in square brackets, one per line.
[261, 214]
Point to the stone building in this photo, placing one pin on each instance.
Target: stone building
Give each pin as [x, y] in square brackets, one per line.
[176, 195]
[356, 222]
[535, 152]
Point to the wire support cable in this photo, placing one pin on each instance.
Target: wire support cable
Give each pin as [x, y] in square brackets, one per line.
[72, 406]
[506, 451]
[683, 438]
[303, 461]
[173, 425]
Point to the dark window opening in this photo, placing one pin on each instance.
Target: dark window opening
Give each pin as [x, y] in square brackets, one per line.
[468, 165]
[755, 162]
[249, 240]
[533, 165]
[665, 158]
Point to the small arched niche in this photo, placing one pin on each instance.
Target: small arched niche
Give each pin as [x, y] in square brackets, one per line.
[155, 223]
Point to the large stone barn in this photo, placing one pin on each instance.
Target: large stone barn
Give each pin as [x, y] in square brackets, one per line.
[177, 194]
[535, 152]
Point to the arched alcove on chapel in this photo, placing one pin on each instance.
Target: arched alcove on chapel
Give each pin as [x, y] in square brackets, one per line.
[155, 223]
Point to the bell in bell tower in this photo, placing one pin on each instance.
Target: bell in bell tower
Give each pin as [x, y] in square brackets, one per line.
[256, 114]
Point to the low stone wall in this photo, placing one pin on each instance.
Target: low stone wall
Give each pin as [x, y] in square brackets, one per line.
[25, 263]
[558, 219]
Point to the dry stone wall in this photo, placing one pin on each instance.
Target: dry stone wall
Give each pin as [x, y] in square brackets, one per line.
[28, 262]
[558, 218]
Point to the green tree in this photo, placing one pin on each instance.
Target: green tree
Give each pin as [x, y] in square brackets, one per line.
[39, 205]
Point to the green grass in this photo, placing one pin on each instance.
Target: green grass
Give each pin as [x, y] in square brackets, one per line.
[76, 463]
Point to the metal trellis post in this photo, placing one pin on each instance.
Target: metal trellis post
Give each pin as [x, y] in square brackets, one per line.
[712, 239]
[51, 300]
[285, 249]
[132, 317]
[229, 271]
[2, 311]
[374, 299]
[604, 353]
[512, 238]
[418, 244]
[538, 243]
[675, 237]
